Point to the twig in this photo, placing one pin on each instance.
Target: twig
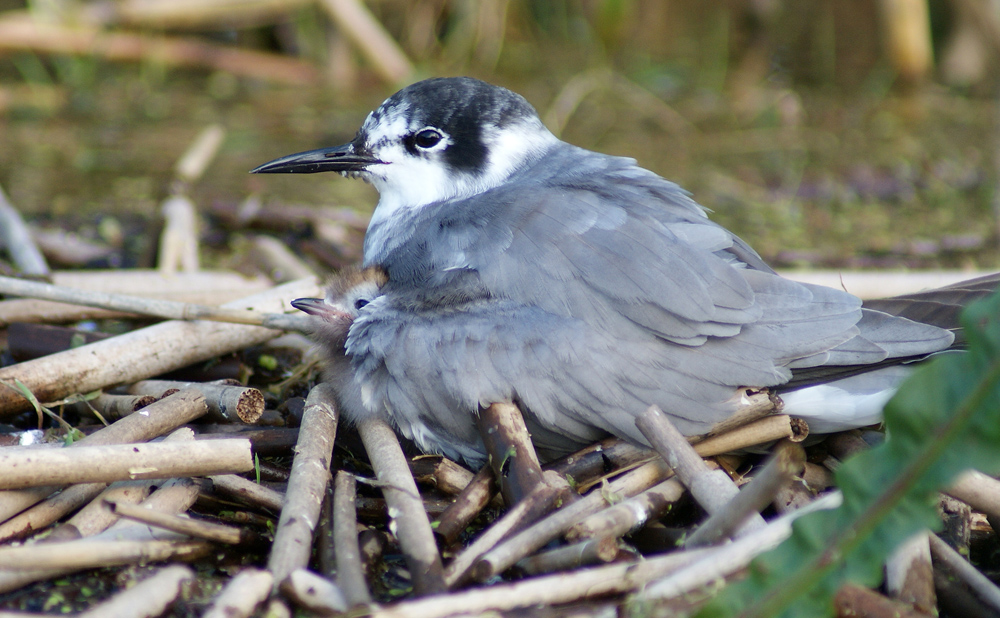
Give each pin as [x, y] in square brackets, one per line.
[511, 453]
[630, 515]
[314, 592]
[88, 554]
[306, 485]
[241, 595]
[248, 492]
[226, 403]
[467, 505]
[148, 598]
[442, 473]
[784, 464]
[345, 541]
[979, 491]
[909, 575]
[596, 459]
[16, 238]
[118, 462]
[274, 258]
[192, 164]
[179, 238]
[140, 354]
[711, 488]
[204, 287]
[408, 519]
[504, 555]
[985, 590]
[18, 32]
[198, 529]
[574, 556]
[546, 590]
[96, 516]
[368, 35]
[117, 407]
[541, 500]
[157, 419]
[166, 309]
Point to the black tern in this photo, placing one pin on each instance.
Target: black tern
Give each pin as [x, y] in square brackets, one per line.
[578, 285]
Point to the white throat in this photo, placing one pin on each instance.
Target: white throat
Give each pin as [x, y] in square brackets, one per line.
[407, 183]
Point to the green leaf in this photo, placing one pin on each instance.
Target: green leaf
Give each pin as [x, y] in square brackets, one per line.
[943, 421]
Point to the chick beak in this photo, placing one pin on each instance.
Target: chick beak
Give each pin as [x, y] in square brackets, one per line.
[320, 308]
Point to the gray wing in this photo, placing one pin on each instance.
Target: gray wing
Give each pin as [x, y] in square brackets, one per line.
[672, 307]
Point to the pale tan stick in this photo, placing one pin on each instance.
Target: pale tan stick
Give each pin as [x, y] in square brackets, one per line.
[275, 258]
[368, 35]
[510, 451]
[541, 499]
[442, 473]
[720, 562]
[630, 515]
[67, 248]
[785, 464]
[119, 462]
[16, 239]
[350, 575]
[40, 516]
[571, 557]
[116, 407]
[979, 491]
[751, 405]
[226, 403]
[96, 516]
[156, 420]
[198, 529]
[89, 554]
[984, 589]
[192, 14]
[306, 484]
[168, 309]
[150, 597]
[179, 238]
[142, 353]
[242, 594]
[909, 575]
[767, 429]
[199, 155]
[248, 492]
[545, 591]
[408, 519]
[205, 287]
[18, 32]
[313, 592]
[711, 488]
[504, 555]
[473, 499]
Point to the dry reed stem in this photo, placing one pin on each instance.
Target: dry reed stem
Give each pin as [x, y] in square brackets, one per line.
[248, 492]
[150, 597]
[909, 574]
[711, 488]
[167, 309]
[279, 262]
[314, 592]
[630, 515]
[466, 506]
[89, 554]
[584, 553]
[444, 474]
[142, 353]
[178, 246]
[196, 528]
[367, 34]
[347, 552]
[119, 462]
[156, 420]
[306, 485]
[16, 238]
[407, 516]
[226, 403]
[984, 589]
[785, 463]
[541, 499]
[204, 287]
[242, 594]
[510, 450]
[18, 32]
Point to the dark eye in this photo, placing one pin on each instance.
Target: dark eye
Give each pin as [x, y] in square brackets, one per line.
[427, 138]
[358, 304]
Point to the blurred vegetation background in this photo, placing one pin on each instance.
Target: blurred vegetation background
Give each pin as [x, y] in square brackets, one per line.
[838, 133]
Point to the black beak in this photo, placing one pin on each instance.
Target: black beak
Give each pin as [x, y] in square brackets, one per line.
[346, 158]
